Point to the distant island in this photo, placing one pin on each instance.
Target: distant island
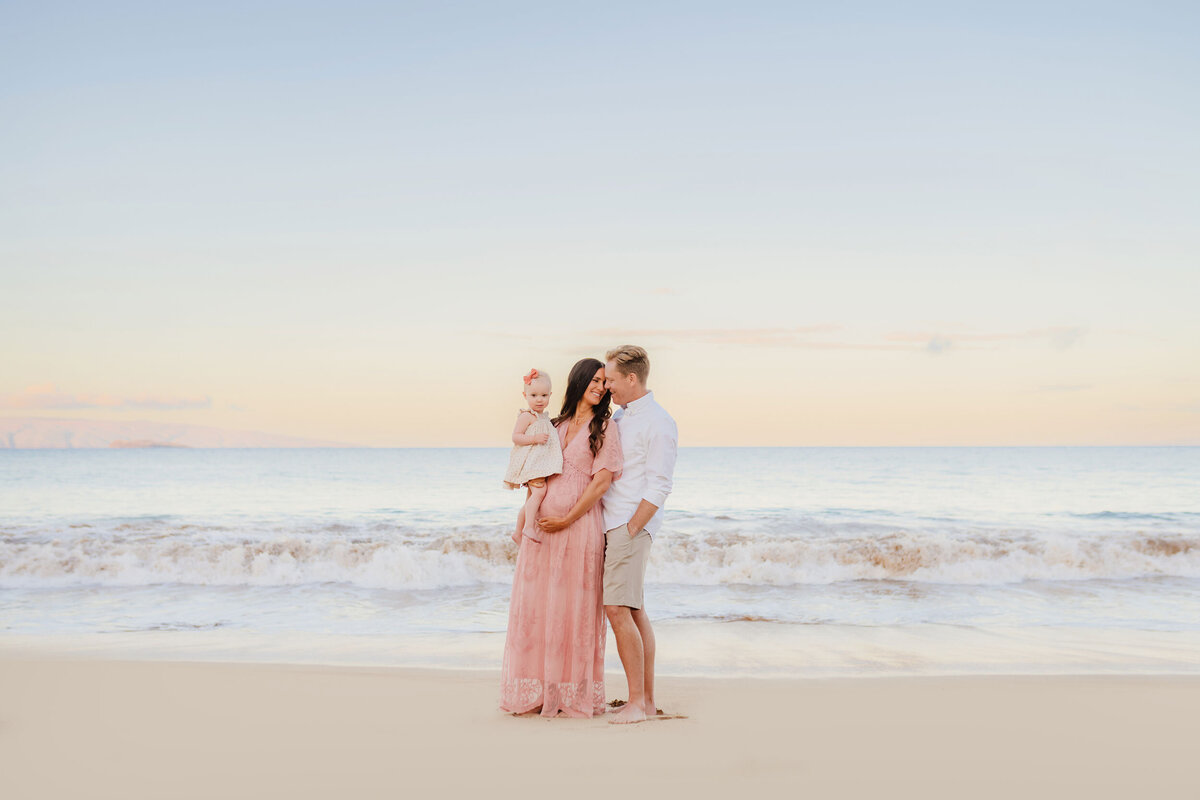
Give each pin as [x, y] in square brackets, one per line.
[39, 433]
[123, 444]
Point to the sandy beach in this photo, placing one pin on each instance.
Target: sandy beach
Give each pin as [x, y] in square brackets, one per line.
[97, 728]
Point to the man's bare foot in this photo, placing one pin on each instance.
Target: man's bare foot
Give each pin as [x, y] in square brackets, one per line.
[629, 714]
[618, 703]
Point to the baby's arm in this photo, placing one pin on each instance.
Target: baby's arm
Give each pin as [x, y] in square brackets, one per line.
[524, 420]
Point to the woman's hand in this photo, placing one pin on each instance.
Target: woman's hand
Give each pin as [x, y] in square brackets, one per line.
[591, 495]
[553, 524]
[541, 438]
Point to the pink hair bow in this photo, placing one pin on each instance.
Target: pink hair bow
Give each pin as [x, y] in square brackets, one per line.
[531, 377]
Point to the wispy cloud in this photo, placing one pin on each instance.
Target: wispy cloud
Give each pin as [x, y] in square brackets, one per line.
[49, 396]
[822, 337]
[1065, 387]
[803, 336]
[936, 342]
[1061, 338]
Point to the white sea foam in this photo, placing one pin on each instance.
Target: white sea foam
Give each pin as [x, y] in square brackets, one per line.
[925, 557]
[403, 546]
[154, 553]
[274, 561]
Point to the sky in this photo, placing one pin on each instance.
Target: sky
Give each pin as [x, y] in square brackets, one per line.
[830, 224]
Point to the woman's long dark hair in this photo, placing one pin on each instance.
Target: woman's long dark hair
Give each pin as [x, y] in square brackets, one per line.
[577, 383]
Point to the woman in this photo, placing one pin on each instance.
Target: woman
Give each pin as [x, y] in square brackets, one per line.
[554, 652]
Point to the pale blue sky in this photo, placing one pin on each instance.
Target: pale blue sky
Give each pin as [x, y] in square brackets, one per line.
[292, 208]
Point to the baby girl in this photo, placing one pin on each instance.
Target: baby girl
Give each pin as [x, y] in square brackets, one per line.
[536, 453]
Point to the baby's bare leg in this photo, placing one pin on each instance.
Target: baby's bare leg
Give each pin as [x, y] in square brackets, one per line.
[537, 490]
[516, 534]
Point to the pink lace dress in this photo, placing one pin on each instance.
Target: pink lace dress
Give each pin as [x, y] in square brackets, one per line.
[554, 651]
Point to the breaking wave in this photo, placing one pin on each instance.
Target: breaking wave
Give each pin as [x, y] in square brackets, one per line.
[152, 553]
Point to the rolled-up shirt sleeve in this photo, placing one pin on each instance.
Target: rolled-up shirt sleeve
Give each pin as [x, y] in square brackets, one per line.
[660, 461]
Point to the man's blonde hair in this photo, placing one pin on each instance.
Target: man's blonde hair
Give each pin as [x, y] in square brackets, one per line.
[630, 360]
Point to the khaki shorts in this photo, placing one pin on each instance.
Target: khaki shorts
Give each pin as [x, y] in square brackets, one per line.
[625, 560]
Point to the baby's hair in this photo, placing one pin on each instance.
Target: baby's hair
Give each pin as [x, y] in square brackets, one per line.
[536, 376]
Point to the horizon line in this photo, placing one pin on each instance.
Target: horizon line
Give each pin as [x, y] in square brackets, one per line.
[687, 447]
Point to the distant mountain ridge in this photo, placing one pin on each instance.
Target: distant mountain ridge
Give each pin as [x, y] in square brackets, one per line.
[37, 433]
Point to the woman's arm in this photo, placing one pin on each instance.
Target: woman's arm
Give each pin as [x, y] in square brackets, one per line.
[519, 436]
[591, 495]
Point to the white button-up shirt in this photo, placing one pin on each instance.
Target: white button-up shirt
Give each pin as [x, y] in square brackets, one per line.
[649, 441]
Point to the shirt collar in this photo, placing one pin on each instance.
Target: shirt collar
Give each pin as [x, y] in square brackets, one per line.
[639, 405]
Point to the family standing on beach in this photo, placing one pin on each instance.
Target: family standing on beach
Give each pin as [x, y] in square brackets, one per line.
[596, 490]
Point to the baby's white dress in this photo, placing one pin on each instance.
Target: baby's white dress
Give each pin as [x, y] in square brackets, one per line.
[529, 461]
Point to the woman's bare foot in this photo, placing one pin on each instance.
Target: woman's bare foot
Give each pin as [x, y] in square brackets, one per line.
[533, 712]
[629, 714]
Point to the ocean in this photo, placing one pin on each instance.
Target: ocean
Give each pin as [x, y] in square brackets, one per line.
[771, 562]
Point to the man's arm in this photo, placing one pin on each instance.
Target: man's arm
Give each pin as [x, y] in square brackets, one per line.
[660, 471]
[645, 511]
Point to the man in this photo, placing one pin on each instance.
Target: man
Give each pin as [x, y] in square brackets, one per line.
[632, 515]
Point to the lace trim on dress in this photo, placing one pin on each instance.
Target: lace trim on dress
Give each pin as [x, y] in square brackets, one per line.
[571, 466]
[525, 694]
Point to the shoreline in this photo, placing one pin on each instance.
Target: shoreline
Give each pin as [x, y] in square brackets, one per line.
[134, 729]
[613, 676]
[687, 650]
